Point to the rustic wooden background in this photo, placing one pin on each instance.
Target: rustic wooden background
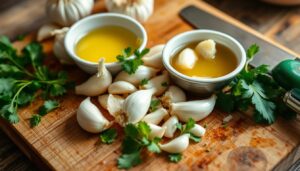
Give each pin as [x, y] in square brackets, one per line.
[23, 16]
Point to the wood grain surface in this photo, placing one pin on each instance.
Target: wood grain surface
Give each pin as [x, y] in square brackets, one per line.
[81, 149]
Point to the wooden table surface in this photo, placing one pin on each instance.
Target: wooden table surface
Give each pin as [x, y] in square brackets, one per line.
[23, 16]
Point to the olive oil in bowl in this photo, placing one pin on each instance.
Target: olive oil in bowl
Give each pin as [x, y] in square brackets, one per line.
[106, 42]
[224, 62]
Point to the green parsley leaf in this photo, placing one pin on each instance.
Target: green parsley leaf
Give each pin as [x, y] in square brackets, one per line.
[127, 161]
[20, 37]
[131, 131]
[108, 136]
[175, 158]
[195, 138]
[189, 125]
[225, 102]
[252, 50]
[48, 106]
[144, 81]
[130, 145]
[154, 105]
[144, 129]
[35, 120]
[179, 127]
[153, 147]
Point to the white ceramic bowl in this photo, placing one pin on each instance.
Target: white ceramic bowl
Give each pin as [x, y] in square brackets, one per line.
[82, 27]
[203, 86]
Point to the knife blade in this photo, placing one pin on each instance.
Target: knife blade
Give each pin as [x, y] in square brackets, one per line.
[269, 54]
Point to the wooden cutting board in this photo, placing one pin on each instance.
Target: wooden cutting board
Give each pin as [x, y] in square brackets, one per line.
[58, 143]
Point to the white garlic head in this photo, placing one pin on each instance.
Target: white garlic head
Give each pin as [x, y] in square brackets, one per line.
[177, 145]
[141, 10]
[154, 57]
[90, 118]
[207, 49]
[67, 12]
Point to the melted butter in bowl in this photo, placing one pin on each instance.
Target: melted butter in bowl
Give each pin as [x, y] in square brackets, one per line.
[106, 42]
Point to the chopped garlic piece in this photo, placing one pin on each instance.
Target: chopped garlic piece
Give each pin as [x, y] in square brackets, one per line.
[227, 119]
[207, 49]
[187, 59]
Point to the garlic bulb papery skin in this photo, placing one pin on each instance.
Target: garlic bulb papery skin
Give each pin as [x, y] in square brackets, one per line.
[67, 12]
[170, 126]
[103, 100]
[137, 104]
[197, 130]
[156, 131]
[187, 59]
[197, 110]
[97, 84]
[177, 145]
[90, 118]
[154, 57]
[45, 31]
[207, 49]
[156, 117]
[121, 87]
[115, 105]
[59, 46]
[143, 72]
[141, 10]
[158, 83]
[173, 95]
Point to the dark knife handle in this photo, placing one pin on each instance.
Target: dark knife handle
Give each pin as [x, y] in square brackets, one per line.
[292, 99]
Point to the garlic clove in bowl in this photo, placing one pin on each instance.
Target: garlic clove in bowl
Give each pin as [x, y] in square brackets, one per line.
[197, 110]
[207, 49]
[177, 145]
[90, 118]
[187, 59]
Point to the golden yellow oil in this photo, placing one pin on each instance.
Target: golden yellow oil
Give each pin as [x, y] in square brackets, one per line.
[106, 42]
[225, 62]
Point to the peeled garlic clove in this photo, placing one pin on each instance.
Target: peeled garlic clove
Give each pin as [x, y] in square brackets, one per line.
[143, 72]
[159, 83]
[207, 49]
[137, 104]
[170, 126]
[154, 57]
[156, 131]
[177, 145]
[90, 118]
[173, 95]
[103, 100]
[115, 104]
[156, 117]
[59, 46]
[197, 130]
[121, 87]
[97, 84]
[187, 59]
[45, 31]
[197, 110]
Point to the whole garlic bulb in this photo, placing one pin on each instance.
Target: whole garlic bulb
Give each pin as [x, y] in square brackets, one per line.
[177, 145]
[97, 84]
[90, 118]
[137, 104]
[141, 10]
[67, 12]
[197, 110]
[59, 46]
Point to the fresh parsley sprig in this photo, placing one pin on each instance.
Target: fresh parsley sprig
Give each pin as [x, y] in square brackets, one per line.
[108, 136]
[252, 87]
[187, 129]
[131, 65]
[22, 75]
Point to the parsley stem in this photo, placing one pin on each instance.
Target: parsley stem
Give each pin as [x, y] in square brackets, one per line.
[18, 92]
[20, 67]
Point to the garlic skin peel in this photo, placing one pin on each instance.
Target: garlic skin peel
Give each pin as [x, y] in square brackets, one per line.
[45, 31]
[177, 145]
[59, 49]
[67, 12]
[156, 117]
[137, 104]
[197, 110]
[90, 118]
[154, 57]
[140, 10]
[143, 72]
[121, 87]
[170, 126]
[156, 131]
[187, 59]
[158, 83]
[97, 84]
[197, 130]
[173, 95]
[207, 49]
